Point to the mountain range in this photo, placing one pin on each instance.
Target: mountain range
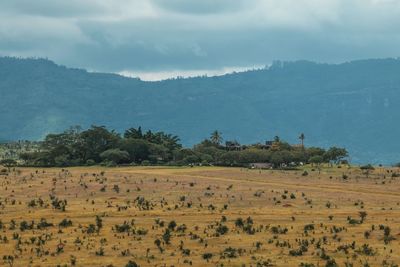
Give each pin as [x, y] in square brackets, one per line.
[353, 105]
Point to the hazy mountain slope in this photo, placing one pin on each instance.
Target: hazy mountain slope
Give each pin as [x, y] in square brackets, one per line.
[353, 104]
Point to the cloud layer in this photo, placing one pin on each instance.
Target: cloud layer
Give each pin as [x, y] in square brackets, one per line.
[161, 36]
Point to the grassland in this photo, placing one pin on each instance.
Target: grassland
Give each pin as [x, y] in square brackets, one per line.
[201, 216]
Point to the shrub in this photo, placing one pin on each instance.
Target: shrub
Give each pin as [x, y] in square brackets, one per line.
[43, 224]
[221, 229]
[90, 162]
[115, 155]
[230, 252]
[132, 264]
[207, 256]
[146, 163]
[65, 223]
[309, 227]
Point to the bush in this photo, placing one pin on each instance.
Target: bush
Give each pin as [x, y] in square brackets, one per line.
[222, 229]
[43, 224]
[90, 162]
[132, 264]
[367, 167]
[207, 256]
[146, 163]
[8, 163]
[230, 252]
[108, 164]
[309, 227]
[65, 223]
[62, 161]
[115, 155]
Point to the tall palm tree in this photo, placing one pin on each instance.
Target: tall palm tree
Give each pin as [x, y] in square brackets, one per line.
[302, 137]
[216, 137]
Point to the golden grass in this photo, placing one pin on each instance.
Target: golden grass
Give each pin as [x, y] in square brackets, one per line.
[213, 193]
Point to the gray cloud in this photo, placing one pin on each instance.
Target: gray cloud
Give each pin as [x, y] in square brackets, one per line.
[200, 7]
[170, 35]
[70, 8]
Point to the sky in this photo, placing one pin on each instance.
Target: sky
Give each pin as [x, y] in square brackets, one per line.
[158, 39]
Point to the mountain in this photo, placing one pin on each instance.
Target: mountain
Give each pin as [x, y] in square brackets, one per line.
[354, 104]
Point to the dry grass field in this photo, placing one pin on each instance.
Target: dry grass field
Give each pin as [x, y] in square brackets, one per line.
[201, 216]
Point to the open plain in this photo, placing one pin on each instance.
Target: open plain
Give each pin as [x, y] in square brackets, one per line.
[200, 216]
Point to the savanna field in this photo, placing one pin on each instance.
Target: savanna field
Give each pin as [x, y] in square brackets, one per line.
[200, 216]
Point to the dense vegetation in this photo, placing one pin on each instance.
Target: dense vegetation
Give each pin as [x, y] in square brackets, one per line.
[352, 105]
[98, 145]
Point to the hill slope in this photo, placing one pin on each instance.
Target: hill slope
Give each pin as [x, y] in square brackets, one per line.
[353, 104]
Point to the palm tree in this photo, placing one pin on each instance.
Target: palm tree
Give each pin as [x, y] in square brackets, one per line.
[216, 137]
[134, 133]
[302, 137]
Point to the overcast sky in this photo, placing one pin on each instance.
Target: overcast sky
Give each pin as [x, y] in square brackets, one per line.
[160, 38]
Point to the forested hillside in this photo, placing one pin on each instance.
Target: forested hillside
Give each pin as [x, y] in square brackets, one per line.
[352, 105]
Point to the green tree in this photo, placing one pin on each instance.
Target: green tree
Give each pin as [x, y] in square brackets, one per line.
[336, 154]
[277, 159]
[159, 153]
[302, 137]
[316, 160]
[216, 137]
[138, 149]
[115, 155]
[96, 140]
[8, 163]
[134, 133]
[168, 140]
[65, 148]
[367, 169]
[315, 151]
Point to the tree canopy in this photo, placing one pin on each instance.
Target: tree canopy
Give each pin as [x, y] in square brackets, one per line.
[99, 145]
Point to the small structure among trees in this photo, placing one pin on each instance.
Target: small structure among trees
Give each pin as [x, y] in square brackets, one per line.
[98, 145]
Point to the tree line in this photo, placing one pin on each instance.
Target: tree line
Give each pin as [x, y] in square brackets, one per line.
[99, 145]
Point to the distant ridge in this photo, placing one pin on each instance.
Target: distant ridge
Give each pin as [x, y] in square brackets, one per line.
[353, 104]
